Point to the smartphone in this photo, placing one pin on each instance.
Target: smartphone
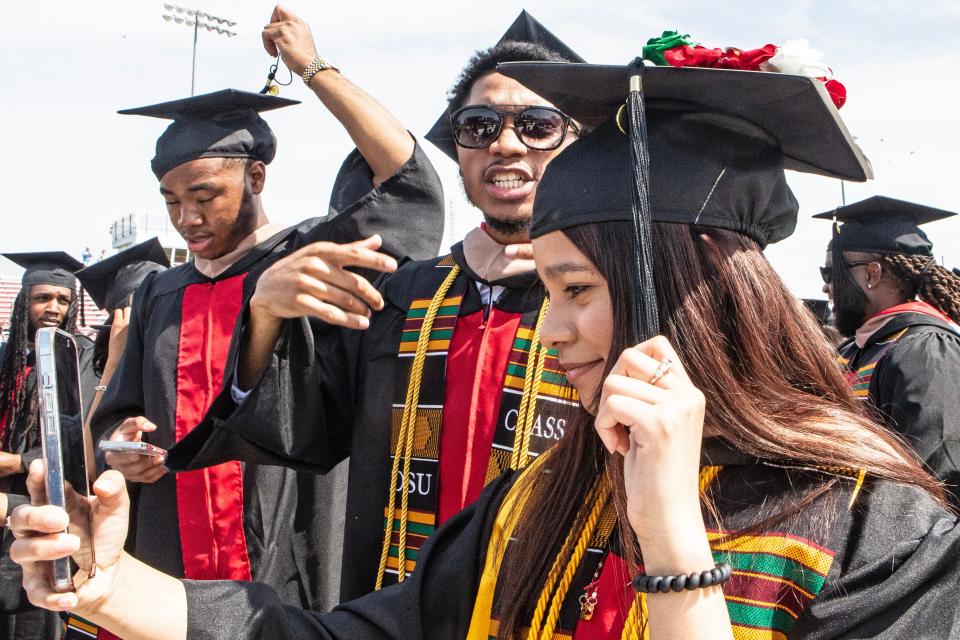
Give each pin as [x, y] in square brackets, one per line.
[140, 448]
[67, 447]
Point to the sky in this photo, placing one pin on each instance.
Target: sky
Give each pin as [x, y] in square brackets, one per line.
[72, 165]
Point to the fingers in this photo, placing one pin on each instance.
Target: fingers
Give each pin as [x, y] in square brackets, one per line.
[332, 314]
[642, 361]
[36, 484]
[519, 251]
[136, 468]
[36, 582]
[131, 428]
[32, 547]
[38, 519]
[268, 43]
[111, 492]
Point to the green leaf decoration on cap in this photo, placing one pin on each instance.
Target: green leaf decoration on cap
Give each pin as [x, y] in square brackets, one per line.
[653, 51]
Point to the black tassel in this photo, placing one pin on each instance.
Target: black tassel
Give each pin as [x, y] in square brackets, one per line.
[646, 320]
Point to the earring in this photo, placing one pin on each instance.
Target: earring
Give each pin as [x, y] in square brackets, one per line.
[869, 286]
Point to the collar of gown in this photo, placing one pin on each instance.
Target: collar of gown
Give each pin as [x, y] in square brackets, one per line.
[487, 258]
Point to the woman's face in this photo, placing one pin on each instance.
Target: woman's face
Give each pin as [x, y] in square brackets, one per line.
[579, 323]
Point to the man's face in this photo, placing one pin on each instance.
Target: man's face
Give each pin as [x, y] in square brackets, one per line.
[501, 180]
[48, 305]
[846, 292]
[210, 203]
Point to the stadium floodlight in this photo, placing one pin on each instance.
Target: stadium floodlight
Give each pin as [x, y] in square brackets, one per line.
[197, 19]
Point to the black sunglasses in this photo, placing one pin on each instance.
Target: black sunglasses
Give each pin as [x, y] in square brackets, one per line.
[539, 128]
[827, 272]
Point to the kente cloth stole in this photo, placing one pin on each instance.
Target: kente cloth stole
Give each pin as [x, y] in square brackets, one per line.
[776, 575]
[859, 380]
[533, 425]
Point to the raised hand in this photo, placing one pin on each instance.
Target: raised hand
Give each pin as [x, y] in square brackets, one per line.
[658, 426]
[290, 37]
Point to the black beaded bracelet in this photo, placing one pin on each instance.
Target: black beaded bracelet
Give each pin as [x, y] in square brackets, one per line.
[664, 584]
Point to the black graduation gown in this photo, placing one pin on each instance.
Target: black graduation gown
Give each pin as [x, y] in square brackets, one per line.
[292, 521]
[915, 388]
[340, 383]
[17, 615]
[894, 572]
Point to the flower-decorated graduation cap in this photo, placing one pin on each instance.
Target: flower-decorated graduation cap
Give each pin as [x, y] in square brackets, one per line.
[110, 281]
[525, 28]
[223, 124]
[697, 146]
[54, 268]
[883, 225]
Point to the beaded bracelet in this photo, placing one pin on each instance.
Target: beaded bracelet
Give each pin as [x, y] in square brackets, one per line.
[664, 584]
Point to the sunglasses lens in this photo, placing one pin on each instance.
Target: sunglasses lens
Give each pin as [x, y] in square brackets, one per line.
[827, 274]
[476, 127]
[540, 128]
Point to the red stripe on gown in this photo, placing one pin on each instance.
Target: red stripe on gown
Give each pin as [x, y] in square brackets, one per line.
[209, 501]
[476, 366]
[21, 379]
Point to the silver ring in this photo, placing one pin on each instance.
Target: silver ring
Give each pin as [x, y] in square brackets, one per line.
[662, 370]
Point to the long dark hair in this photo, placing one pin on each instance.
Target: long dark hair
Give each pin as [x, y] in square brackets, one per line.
[15, 405]
[921, 276]
[772, 386]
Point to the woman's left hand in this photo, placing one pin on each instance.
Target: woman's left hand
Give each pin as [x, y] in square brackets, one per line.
[658, 426]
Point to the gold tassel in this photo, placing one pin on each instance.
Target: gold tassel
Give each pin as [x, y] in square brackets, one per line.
[536, 356]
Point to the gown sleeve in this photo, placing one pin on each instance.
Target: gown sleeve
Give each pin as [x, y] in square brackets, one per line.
[435, 603]
[899, 576]
[298, 415]
[406, 209]
[917, 389]
[124, 396]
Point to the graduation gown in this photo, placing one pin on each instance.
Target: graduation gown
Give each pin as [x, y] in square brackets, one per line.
[180, 328]
[327, 395]
[885, 568]
[17, 615]
[909, 371]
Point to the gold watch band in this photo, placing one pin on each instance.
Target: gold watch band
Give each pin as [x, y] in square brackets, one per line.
[319, 64]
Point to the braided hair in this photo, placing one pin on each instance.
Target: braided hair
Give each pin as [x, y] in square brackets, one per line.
[14, 400]
[923, 277]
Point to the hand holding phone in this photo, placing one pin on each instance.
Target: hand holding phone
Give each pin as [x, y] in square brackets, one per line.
[135, 466]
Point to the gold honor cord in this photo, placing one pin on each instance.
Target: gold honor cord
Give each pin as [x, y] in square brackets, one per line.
[536, 357]
[404, 447]
[635, 623]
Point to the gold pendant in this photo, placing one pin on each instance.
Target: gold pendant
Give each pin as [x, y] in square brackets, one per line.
[587, 605]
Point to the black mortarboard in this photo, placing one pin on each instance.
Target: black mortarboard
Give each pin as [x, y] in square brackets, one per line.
[111, 280]
[525, 28]
[223, 124]
[884, 225]
[706, 147]
[47, 267]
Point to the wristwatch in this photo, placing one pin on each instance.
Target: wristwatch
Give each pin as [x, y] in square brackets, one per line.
[319, 64]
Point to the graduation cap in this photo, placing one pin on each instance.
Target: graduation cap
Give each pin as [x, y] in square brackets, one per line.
[525, 28]
[55, 268]
[703, 147]
[111, 280]
[884, 225]
[222, 124]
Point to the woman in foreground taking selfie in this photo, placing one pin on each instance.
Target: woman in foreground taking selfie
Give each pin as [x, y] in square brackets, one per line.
[719, 480]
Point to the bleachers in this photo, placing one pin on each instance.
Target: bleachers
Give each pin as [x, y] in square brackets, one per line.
[10, 287]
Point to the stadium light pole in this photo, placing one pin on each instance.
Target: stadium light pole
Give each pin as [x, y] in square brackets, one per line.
[197, 19]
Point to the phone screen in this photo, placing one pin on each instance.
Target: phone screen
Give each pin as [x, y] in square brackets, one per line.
[72, 440]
